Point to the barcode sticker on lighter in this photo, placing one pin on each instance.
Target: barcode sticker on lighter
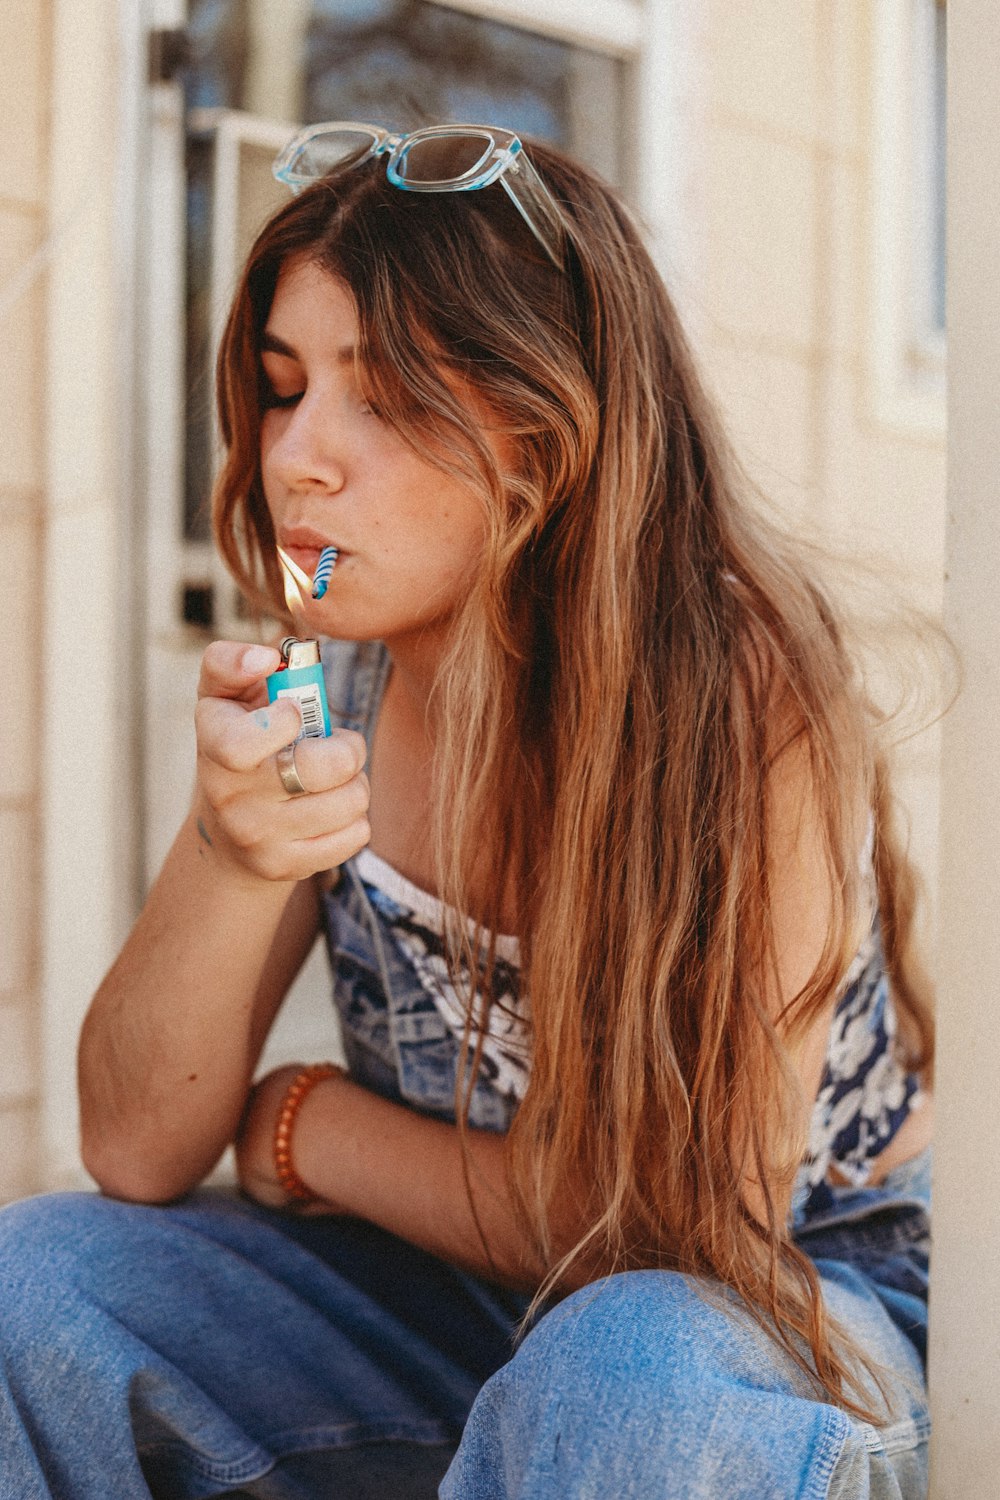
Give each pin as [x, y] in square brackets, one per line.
[307, 696]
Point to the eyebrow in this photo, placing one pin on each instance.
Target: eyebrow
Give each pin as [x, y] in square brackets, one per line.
[271, 344]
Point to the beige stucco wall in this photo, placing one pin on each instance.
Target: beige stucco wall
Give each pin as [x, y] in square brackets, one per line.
[24, 88]
[65, 790]
[786, 298]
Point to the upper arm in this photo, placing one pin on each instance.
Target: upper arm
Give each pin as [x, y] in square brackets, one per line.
[803, 910]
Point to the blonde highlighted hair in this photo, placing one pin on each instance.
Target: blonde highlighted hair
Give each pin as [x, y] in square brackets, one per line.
[606, 716]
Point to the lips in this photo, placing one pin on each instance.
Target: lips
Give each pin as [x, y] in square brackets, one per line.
[304, 546]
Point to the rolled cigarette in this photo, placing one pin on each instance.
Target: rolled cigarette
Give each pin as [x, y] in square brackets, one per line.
[324, 569]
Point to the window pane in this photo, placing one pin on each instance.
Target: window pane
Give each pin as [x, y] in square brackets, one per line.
[404, 63]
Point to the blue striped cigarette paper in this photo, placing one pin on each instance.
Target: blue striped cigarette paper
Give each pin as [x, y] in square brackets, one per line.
[324, 569]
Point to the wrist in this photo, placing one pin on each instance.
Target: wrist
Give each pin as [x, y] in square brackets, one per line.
[297, 1191]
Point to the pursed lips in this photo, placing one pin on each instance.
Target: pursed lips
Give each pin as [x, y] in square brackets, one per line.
[304, 548]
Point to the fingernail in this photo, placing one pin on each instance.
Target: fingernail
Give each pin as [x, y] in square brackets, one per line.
[257, 659]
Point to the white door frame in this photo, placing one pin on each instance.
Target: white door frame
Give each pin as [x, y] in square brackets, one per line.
[965, 1307]
[91, 744]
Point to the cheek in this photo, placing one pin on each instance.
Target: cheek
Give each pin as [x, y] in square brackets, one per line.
[267, 442]
[273, 476]
[463, 528]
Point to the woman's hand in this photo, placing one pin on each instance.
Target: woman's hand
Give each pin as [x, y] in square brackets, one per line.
[245, 816]
[254, 1143]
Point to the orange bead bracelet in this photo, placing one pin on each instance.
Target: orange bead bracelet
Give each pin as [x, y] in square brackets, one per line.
[297, 1195]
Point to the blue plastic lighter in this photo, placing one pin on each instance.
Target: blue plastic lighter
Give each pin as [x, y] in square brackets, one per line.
[301, 678]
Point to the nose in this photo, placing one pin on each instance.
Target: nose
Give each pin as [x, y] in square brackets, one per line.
[306, 454]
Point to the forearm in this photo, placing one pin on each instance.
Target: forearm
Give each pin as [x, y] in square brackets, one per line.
[173, 1034]
[404, 1171]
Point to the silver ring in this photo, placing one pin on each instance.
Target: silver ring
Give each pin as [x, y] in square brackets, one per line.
[288, 771]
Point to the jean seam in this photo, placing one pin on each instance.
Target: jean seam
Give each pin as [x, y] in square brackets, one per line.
[280, 1445]
[903, 1436]
[830, 1446]
[224, 1471]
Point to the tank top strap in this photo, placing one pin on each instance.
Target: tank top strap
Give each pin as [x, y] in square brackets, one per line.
[355, 673]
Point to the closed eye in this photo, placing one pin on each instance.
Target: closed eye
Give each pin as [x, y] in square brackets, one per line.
[269, 397]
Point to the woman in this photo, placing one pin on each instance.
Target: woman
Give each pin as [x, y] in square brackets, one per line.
[618, 935]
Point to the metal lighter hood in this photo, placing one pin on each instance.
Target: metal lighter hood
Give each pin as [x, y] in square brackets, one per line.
[299, 654]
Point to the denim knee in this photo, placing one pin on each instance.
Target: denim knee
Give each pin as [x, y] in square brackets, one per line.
[640, 1385]
[41, 1240]
[57, 1254]
[59, 1230]
[646, 1338]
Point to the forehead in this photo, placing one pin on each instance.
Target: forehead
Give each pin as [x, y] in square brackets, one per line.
[311, 310]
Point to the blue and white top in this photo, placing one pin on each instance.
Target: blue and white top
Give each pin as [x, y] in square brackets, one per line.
[416, 921]
[403, 1022]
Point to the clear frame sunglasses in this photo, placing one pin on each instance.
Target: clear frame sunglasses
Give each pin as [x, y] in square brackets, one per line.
[436, 159]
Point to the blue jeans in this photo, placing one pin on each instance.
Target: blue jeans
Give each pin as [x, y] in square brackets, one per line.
[214, 1347]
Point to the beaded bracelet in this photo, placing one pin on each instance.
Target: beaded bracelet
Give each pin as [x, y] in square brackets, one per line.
[297, 1195]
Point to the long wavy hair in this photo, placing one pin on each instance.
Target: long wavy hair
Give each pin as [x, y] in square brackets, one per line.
[639, 647]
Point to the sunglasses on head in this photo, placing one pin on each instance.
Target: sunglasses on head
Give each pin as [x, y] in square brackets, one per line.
[436, 159]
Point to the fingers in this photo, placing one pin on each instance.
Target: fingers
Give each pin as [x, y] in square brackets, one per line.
[269, 832]
[232, 669]
[288, 838]
[312, 816]
[324, 764]
[297, 859]
[237, 740]
[254, 813]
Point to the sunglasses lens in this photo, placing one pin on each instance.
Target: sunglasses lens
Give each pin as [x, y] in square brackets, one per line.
[330, 151]
[444, 158]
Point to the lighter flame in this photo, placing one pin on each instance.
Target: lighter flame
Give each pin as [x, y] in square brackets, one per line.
[297, 583]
